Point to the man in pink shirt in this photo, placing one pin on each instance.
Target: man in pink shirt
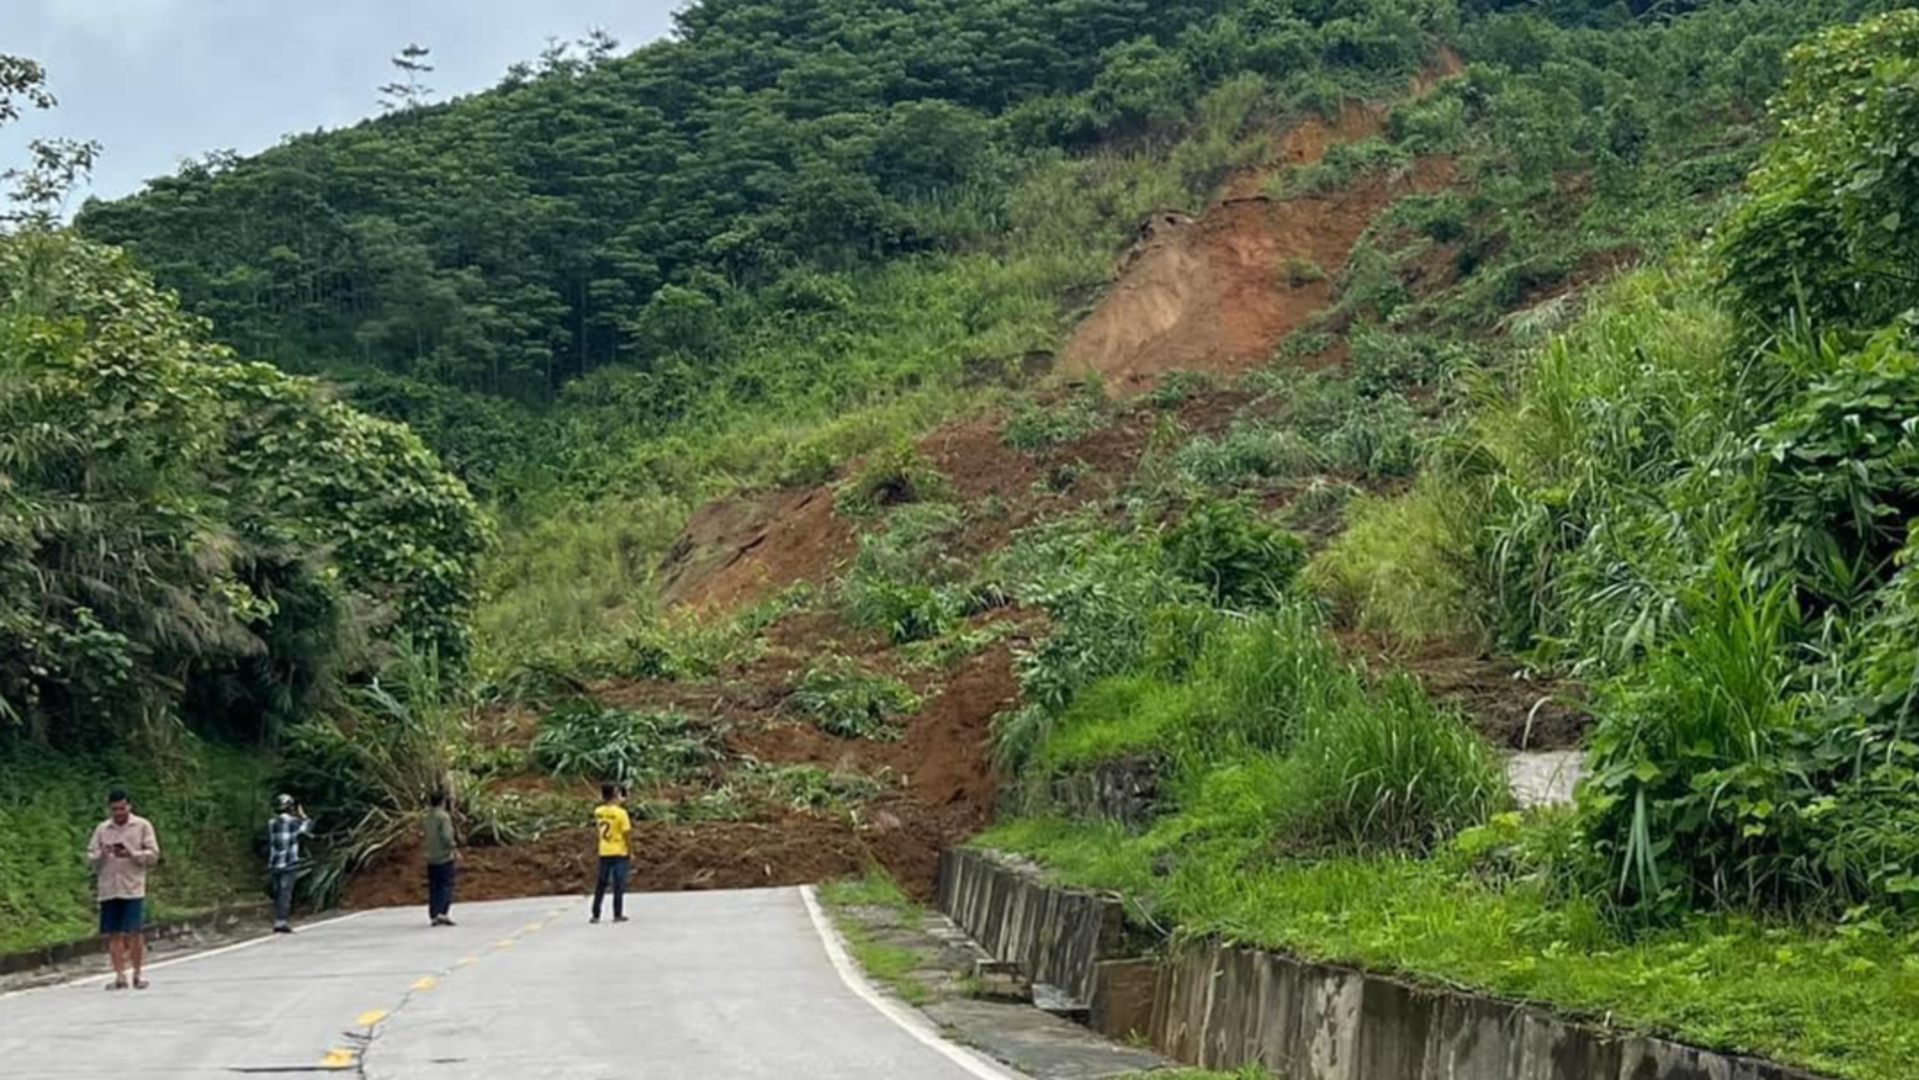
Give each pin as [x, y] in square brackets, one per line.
[123, 848]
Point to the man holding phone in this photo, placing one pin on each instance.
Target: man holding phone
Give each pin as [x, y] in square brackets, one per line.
[124, 847]
[288, 824]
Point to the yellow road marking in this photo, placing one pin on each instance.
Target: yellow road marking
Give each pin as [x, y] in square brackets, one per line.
[337, 1058]
[426, 982]
[534, 928]
[466, 961]
[507, 944]
[368, 1019]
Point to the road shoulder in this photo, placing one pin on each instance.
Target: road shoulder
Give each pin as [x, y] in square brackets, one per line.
[921, 961]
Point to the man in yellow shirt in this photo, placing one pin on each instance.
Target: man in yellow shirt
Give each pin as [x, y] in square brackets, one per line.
[610, 820]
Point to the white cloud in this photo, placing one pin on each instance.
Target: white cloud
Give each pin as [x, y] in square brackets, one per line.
[129, 24]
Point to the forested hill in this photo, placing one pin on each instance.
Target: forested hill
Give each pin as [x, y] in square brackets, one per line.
[588, 211]
[599, 210]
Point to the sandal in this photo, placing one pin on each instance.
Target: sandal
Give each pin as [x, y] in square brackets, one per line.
[116, 985]
[139, 984]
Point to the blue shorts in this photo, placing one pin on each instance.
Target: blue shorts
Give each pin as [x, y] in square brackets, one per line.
[122, 916]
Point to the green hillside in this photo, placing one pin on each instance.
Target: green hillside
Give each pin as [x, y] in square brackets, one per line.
[1579, 413]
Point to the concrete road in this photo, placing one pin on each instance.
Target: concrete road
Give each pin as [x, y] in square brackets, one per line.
[700, 986]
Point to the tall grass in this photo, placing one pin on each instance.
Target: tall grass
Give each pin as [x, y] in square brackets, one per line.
[1688, 795]
[1270, 718]
[573, 576]
[1264, 680]
[1392, 771]
[1402, 569]
[1580, 472]
[843, 698]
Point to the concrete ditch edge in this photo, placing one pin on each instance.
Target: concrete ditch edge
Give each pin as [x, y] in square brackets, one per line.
[53, 956]
[1220, 1006]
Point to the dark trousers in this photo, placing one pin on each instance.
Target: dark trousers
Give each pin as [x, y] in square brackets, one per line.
[613, 871]
[439, 889]
[283, 882]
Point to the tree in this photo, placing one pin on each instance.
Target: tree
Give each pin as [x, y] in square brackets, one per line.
[176, 525]
[408, 92]
[38, 190]
[599, 45]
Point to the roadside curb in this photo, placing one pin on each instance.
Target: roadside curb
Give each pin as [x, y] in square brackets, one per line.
[52, 956]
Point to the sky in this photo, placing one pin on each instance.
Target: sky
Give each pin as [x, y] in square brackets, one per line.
[158, 81]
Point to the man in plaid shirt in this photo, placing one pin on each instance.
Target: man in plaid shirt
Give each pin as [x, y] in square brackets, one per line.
[289, 824]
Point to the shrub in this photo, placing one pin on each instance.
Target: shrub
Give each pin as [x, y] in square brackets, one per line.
[1315, 402]
[1378, 442]
[516, 817]
[1320, 500]
[806, 464]
[1832, 230]
[1100, 589]
[1248, 451]
[1386, 362]
[684, 650]
[677, 649]
[950, 649]
[584, 741]
[1343, 164]
[1837, 472]
[366, 772]
[1305, 344]
[904, 581]
[1239, 559]
[1178, 388]
[1034, 427]
[1298, 272]
[811, 789]
[844, 699]
[1371, 283]
[894, 476]
[907, 613]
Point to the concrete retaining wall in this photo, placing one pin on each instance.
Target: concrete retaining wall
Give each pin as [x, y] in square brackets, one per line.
[1222, 1007]
[1056, 936]
[1123, 791]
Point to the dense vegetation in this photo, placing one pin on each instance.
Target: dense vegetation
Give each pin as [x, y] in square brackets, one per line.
[185, 532]
[767, 142]
[1697, 498]
[192, 548]
[1700, 497]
